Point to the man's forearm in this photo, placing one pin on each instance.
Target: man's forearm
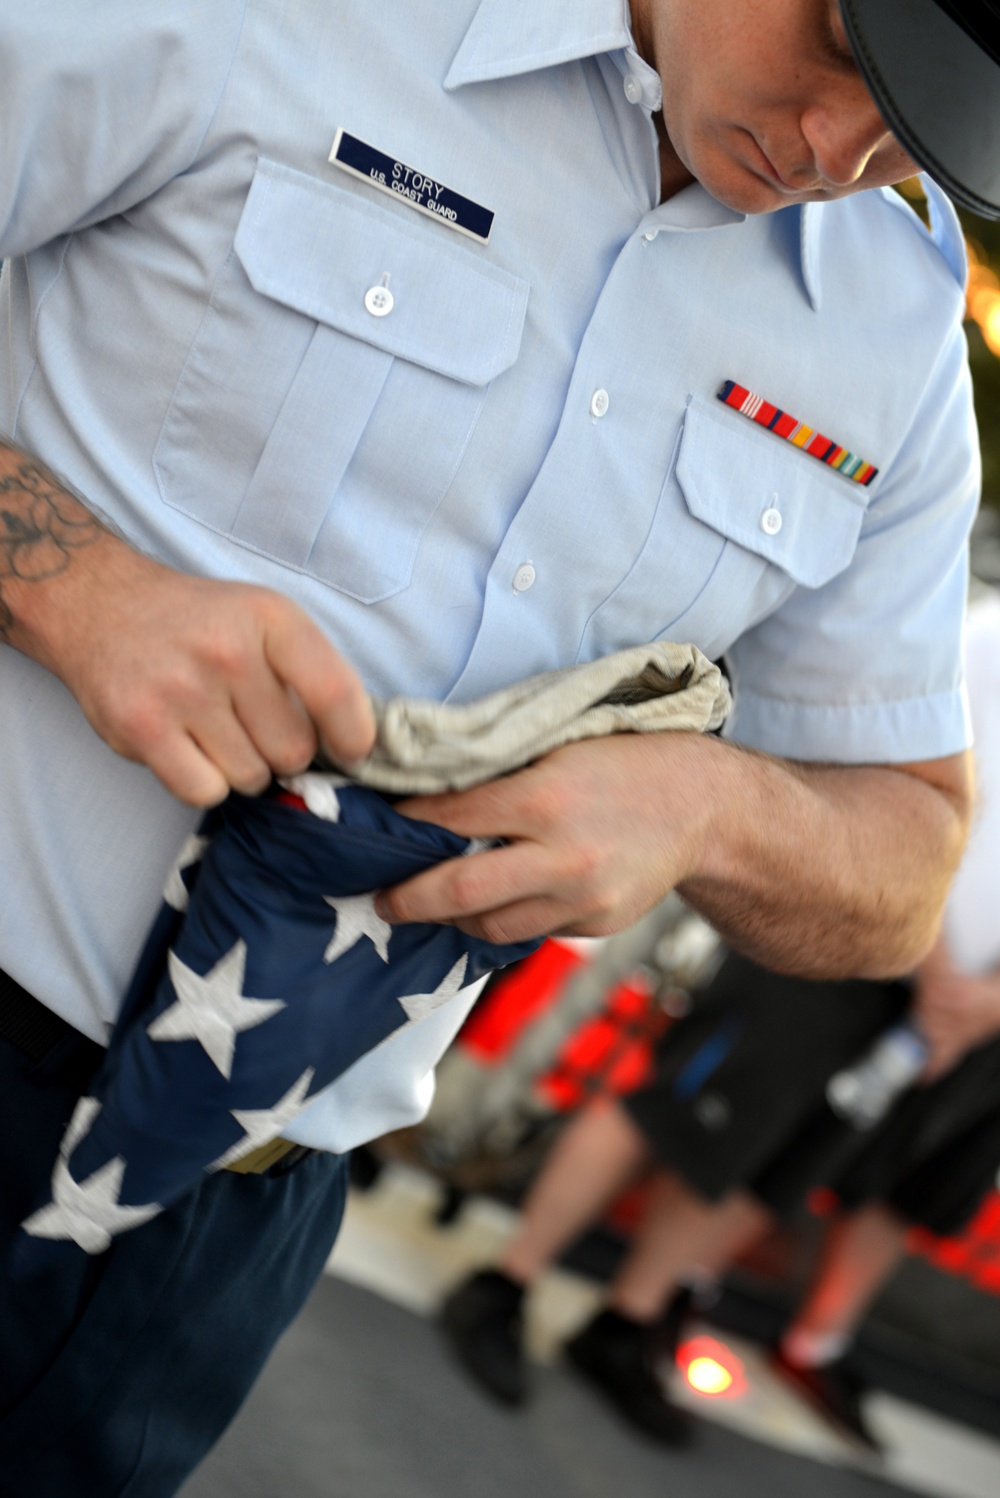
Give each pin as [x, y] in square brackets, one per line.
[211, 684]
[831, 871]
[807, 869]
[42, 527]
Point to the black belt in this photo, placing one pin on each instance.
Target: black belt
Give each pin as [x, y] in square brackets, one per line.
[27, 1023]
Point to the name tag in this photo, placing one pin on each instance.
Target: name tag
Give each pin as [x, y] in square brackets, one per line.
[410, 186]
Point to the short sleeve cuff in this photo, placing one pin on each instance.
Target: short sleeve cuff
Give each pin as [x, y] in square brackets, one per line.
[900, 732]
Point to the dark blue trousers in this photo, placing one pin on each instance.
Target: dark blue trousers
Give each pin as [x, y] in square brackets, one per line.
[119, 1372]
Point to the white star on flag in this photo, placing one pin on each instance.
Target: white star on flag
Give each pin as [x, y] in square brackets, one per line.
[212, 1009]
[419, 1005]
[79, 1125]
[87, 1211]
[261, 1125]
[176, 892]
[357, 917]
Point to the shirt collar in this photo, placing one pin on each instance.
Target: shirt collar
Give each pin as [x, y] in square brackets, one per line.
[810, 234]
[692, 210]
[507, 38]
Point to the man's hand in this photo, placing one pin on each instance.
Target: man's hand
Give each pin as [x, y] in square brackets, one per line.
[954, 1011]
[213, 685]
[591, 843]
[817, 870]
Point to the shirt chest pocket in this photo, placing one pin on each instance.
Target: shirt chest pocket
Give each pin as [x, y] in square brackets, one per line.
[743, 519]
[334, 382]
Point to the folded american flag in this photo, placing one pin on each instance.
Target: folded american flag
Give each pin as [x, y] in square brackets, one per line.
[268, 972]
[266, 975]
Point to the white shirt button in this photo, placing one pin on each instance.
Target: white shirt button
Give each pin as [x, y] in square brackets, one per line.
[599, 403]
[379, 301]
[770, 521]
[524, 577]
[649, 236]
[633, 89]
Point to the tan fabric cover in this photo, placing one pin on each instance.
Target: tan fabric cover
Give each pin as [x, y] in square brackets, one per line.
[424, 747]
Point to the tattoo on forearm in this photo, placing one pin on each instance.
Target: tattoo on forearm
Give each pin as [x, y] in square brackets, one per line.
[41, 525]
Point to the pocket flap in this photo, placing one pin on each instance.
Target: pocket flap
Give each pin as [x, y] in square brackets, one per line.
[732, 474]
[318, 248]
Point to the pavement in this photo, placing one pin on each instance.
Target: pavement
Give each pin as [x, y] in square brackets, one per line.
[362, 1400]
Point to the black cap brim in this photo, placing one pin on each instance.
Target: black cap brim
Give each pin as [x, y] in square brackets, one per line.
[938, 91]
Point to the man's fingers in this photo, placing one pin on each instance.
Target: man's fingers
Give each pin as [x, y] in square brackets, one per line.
[277, 724]
[523, 805]
[528, 919]
[467, 813]
[506, 894]
[330, 690]
[226, 744]
[558, 870]
[464, 887]
[212, 684]
[188, 773]
[199, 753]
[521, 920]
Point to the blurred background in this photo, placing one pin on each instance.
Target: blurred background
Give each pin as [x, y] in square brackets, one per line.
[983, 330]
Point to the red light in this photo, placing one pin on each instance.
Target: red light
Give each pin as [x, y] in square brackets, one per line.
[708, 1376]
[711, 1369]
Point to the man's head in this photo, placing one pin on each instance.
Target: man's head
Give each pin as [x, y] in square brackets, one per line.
[767, 103]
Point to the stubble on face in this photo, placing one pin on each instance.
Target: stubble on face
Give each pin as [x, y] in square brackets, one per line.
[763, 103]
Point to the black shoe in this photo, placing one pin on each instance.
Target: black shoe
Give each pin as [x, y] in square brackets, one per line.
[482, 1321]
[667, 1332]
[834, 1392]
[617, 1355]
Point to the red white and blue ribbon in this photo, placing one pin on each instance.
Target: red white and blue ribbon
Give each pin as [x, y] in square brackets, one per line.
[797, 433]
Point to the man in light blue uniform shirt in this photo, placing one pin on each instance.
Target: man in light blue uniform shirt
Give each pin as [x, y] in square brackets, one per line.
[407, 335]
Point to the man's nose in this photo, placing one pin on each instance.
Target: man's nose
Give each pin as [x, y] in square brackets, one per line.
[843, 136]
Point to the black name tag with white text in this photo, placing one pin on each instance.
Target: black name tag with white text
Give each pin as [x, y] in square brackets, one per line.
[410, 186]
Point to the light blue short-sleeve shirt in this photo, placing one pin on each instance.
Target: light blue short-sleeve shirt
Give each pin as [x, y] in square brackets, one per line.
[469, 458]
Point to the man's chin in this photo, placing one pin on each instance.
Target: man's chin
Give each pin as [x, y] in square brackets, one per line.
[745, 192]
[735, 183]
